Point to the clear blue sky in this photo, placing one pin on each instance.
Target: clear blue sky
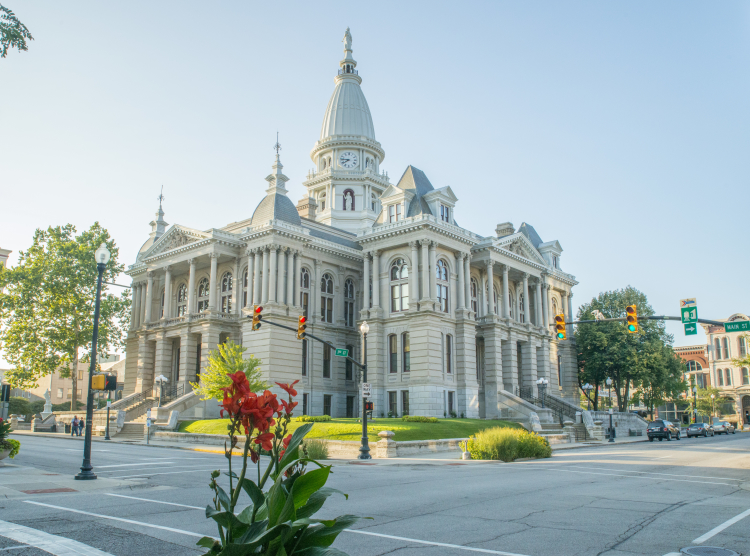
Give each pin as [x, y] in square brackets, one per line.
[618, 128]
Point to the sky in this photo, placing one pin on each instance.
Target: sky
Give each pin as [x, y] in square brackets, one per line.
[619, 129]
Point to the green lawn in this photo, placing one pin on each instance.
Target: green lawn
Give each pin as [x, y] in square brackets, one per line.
[351, 429]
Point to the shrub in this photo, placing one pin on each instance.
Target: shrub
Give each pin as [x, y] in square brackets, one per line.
[315, 449]
[507, 444]
[419, 419]
[19, 406]
[313, 418]
[11, 443]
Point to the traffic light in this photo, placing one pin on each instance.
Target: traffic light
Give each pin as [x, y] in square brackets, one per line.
[631, 318]
[301, 325]
[257, 316]
[98, 382]
[560, 330]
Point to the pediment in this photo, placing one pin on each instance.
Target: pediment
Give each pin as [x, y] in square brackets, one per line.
[176, 237]
[445, 193]
[737, 316]
[395, 192]
[520, 245]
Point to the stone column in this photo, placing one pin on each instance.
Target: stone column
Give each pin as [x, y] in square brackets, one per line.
[191, 288]
[538, 303]
[570, 310]
[506, 293]
[167, 292]
[213, 287]
[526, 300]
[366, 282]
[290, 277]
[376, 279]
[425, 270]
[545, 305]
[250, 277]
[149, 296]
[414, 276]
[257, 280]
[564, 308]
[237, 287]
[467, 281]
[272, 275]
[315, 293]
[142, 317]
[432, 270]
[264, 271]
[491, 287]
[339, 297]
[133, 307]
[461, 280]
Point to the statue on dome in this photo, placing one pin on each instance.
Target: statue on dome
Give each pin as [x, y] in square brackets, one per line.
[347, 40]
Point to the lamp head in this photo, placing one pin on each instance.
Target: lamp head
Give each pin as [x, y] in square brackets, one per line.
[364, 328]
[609, 381]
[102, 254]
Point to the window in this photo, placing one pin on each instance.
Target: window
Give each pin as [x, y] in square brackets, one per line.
[521, 309]
[349, 199]
[350, 406]
[406, 348]
[326, 298]
[742, 345]
[693, 366]
[349, 367]
[304, 293]
[394, 213]
[70, 391]
[559, 370]
[745, 377]
[78, 396]
[451, 409]
[203, 291]
[304, 404]
[702, 380]
[445, 213]
[720, 377]
[182, 296]
[399, 286]
[245, 291]
[392, 353]
[349, 302]
[392, 404]
[60, 390]
[474, 301]
[404, 402]
[717, 349]
[554, 261]
[554, 307]
[441, 271]
[304, 357]
[448, 353]
[725, 343]
[728, 377]
[322, 201]
[327, 398]
[373, 201]
[226, 292]
[80, 375]
[162, 297]
[326, 362]
[494, 297]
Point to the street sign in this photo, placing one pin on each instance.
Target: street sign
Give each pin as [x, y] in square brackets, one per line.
[148, 422]
[366, 389]
[737, 326]
[689, 314]
[691, 329]
[688, 302]
[109, 403]
[342, 352]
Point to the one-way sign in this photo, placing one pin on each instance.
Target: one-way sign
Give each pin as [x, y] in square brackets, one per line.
[691, 329]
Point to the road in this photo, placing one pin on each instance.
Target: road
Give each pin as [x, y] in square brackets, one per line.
[618, 500]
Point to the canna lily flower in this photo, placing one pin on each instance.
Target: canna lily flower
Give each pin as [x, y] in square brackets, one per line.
[288, 388]
[265, 440]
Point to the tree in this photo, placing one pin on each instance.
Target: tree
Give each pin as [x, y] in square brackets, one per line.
[661, 380]
[606, 349]
[227, 359]
[47, 306]
[743, 361]
[13, 33]
[706, 404]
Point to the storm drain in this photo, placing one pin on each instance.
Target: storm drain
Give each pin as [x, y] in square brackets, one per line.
[709, 551]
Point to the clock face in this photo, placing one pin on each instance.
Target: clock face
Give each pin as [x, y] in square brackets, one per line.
[348, 159]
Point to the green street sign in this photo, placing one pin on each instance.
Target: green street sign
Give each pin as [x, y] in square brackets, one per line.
[737, 326]
[342, 352]
[691, 329]
[689, 315]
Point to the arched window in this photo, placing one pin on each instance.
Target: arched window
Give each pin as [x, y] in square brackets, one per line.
[717, 349]
[406, 351]
[348, 199]
[727, 377]
[226, 292]
[304, 290]
[161, 304]
[693, 366]
[720, 377]
[521, 310]
[448, 353]
[474, 290]
[494, 297]
[745, 377]
[322, 201]
[725, 343]
[245, 290]
[373, 201]
[392, 353]
[441, 272]
[399, 286]
[323, 164]
[182, 297]
[742, 346]
[326, 298]
[555, 310]
[349, 302]
[203, 292]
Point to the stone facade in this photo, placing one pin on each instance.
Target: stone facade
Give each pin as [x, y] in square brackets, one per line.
[454, 316]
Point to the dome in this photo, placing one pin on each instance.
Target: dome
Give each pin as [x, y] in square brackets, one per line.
[347, 112]
[276, 207]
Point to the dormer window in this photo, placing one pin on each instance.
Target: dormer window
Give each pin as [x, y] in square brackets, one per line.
[445, 213]
[554, 261]
[394, 213]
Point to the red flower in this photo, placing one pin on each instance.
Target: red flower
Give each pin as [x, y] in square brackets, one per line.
[285, 443]
[288, 388]
[288, 407]
[265, 440]
[254, 456]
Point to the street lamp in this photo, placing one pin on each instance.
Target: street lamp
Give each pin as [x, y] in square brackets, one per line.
[611, 428]
[102, 258]
[588, 388]
[364, 450]
[161, 379]
[609, 388]
[542, 385]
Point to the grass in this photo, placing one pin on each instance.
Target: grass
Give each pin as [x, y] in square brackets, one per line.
[351, 429]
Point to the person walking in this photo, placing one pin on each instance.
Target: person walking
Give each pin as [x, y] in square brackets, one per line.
[81, 424]
[74, 426]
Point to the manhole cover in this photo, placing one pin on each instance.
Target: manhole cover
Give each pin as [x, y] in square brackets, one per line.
[709, 551]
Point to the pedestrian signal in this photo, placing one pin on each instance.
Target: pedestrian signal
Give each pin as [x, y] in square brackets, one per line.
[98, 382]
[301, 325]
[110, 382]
[631, 318]
[560, 330]
[257, 316]
[369, 406]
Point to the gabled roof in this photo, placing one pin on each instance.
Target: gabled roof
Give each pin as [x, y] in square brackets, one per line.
[520, 244]
[529, 231]
[416, 180]
[177, 236]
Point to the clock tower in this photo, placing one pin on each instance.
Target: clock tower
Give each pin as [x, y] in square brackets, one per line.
[346, 181]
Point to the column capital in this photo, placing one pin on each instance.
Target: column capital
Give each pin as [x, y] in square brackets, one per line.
[167, 268]
[424, 242]
[460, 255]
[318, 262]
[526, 276]
[433, 244]
[490, 266]
[150, 275]
[413, 244]
[249, 251]
[375, 252]
[506, 269]
[192, 261]
[213, 255]
[342, 269]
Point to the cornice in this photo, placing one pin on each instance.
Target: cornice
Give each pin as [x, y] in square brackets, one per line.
[422, 222]
[347, 140]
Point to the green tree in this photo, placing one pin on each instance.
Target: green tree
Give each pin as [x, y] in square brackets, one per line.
[13, 33]
[661, 380]
[227, 359]
[607, 350]
[47, 306]
[743, 361]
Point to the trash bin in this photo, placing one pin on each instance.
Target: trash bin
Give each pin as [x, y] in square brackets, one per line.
[67, 428]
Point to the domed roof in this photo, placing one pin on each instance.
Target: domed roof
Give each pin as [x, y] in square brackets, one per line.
[276, 205]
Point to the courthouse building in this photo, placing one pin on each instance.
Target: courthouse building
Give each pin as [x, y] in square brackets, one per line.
[457, 318]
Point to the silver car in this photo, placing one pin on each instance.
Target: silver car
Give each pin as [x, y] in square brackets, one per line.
[723, 427]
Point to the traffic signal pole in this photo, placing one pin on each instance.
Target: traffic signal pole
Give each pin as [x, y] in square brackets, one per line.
[703, 321]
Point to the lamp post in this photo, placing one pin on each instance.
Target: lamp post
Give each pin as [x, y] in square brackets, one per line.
[106, 430]
[102, 258]
[161, 379]
[611, 428]
[542, 385]
[695, 404]
[609, 390]
[364, 450]
[588, 388]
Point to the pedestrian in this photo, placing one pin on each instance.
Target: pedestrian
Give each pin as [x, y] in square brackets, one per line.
[74, 425]
[81, 424]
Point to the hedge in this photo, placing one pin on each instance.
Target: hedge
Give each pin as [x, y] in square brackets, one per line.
[508, 444]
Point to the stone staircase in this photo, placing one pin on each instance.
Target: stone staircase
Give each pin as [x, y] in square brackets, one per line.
[132, 431]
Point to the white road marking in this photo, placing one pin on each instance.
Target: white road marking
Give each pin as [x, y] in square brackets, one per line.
[155, 501]
[60, 546]
[635, 476]
[720, 528]
[131, 464]
[674, 554]
[654, 473]
[456, 546]
[14, 547]
[167, 473]
[157, 467]
[100, 516]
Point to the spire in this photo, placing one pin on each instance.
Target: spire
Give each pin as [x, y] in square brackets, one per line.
[158, 226]
[277, 179]
[348, 63]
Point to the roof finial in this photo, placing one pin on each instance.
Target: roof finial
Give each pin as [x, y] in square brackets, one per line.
[277, 146]
[347, 40]
[161, 196]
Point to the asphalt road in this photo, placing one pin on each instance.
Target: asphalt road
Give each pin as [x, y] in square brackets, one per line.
[643, 498]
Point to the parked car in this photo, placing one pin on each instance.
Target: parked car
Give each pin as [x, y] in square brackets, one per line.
[700, 429]
[723, 427]
[662, 429]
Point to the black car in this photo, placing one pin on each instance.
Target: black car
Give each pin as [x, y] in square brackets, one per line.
[700, 429]
[663, 429]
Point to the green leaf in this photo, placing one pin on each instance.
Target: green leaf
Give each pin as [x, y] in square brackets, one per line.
[255, 494]
[246, 515]
[276, 502]
[327, 533]
[250, 542]
[316, 501]
[226, 520]
[291, 451]
[309, 483]
[281, 551]
[208, 542]
[319, 551]
[223, 497]
[253, 531]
